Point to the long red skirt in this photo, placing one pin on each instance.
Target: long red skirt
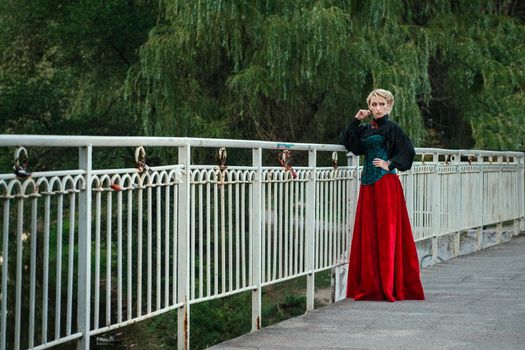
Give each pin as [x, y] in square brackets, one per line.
[383, 258]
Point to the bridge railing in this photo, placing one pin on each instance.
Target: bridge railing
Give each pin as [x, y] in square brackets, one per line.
[85, 251]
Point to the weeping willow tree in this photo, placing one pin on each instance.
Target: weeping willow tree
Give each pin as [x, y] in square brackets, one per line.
[298, 70]
[293, 70]
[485, 77]
[267, 69]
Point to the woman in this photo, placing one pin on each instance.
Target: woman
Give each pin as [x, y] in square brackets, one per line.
[383, 258]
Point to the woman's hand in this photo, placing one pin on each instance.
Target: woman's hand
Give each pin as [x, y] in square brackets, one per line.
[380, 163]
[362, 114]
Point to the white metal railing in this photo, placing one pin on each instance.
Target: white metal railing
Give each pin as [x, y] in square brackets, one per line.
[85, 251]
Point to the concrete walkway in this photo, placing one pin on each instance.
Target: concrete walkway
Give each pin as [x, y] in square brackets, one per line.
[473, 302]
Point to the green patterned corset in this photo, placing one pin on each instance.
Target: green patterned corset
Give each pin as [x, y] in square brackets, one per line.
[374, 148]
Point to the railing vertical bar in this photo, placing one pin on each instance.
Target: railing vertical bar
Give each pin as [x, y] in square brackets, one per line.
[341, 205]
[295, 229]
[337, 203]
[263, 221]
[298, 225]
[331, 218]
[158, 262]
[5, 270]
[301, 208]
[216, 237]
[32, 278]
[342, 213]
[310, 230]
[481, 202]
[175, 239]
[436, 206]
[290, 243]
[250, 230]
[45, 282]
[140, 197]
[280, 219]
[167, 202]
[183, 273]
[208, 236]
[129, 259]
[119, 256]
[499, 200]
[287, 222]
[293, 236]
[192, 240]
[71, 256]
[230, 231]
[258, 229]
[268, 243]
[108, 257]
[84, 249]
[409, 197]
[317, 235]
[58, 300]
[223, 233]
[326, 219]
[19, 246]
[243, 232]
[275, 226]
[96, 311]
[320, 219]
[237, 235]
[201, 242]
[149, 247]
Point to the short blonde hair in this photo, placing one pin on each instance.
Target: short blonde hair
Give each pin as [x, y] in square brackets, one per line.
[387, 95]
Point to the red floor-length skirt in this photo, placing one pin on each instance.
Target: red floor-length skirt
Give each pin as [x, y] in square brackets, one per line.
[383, 258]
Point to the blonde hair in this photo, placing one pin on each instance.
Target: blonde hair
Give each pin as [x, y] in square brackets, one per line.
[387, 95]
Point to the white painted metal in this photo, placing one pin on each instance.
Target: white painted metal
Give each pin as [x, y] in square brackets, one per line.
[255, 225]
[84, 249]
[257, 246]
[183, 271]
[310, 202]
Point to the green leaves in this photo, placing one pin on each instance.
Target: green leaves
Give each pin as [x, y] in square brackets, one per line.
[263, 69]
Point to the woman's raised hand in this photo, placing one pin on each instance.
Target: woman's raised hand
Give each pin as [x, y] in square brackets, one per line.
[362, 114]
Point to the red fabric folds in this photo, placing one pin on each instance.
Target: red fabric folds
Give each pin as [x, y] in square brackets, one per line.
[383, 258]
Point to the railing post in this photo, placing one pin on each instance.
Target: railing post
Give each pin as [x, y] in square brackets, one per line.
[183, 272]
[436, 208]
[310, 230]
[409, 195]
[479, 232]
[84, 249]
[519, 189]
[256, 241]
[499, 225]
[459, 205]
[521, 224]
[351, 206]
[353, 196]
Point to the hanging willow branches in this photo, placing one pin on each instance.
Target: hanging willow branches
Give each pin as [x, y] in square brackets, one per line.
[264, 69]
[298, 69]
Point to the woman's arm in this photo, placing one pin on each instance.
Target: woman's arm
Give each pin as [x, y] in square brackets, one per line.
[351, 135]
[401, 151]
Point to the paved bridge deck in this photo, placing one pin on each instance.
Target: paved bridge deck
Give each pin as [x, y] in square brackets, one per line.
[475, 301]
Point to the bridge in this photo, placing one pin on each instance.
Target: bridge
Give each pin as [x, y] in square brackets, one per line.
[89, 250]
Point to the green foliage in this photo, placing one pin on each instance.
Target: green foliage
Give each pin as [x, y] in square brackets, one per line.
[280, 70]
[63, 64]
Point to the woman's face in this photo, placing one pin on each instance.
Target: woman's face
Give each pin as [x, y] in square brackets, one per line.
[378, 106]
